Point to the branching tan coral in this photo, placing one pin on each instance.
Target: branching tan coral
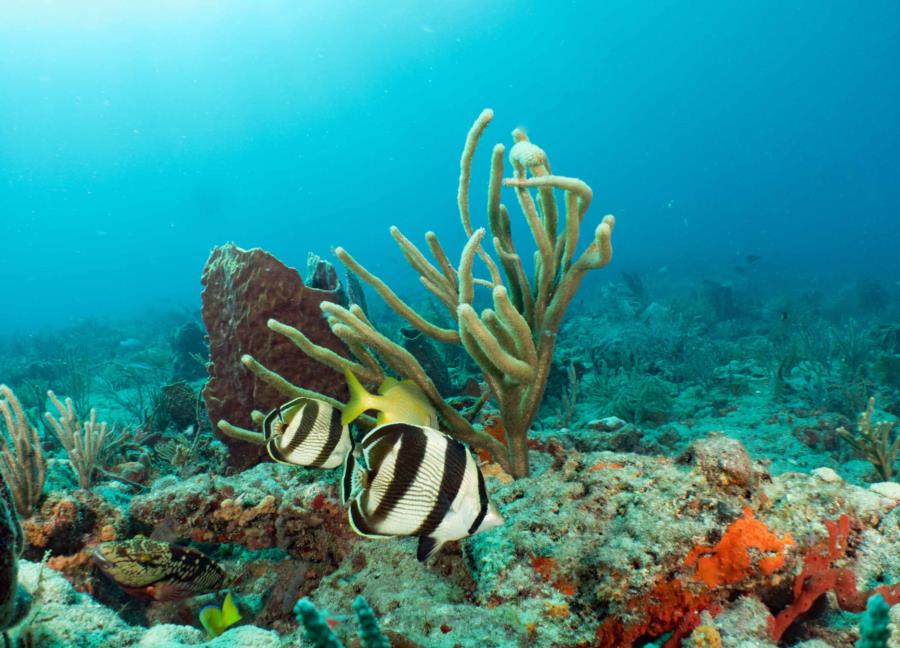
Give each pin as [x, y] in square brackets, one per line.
[513, 341]
[83, 441]
[22, 461]
[874, 442]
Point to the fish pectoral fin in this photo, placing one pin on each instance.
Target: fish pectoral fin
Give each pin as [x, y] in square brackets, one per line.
[139, 592]
[274, 422]
[347, 478]
[160, 591]
[428, 546]
[355, 478]
[361, 482]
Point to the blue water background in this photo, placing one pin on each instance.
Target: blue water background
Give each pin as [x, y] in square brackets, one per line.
[133, 138]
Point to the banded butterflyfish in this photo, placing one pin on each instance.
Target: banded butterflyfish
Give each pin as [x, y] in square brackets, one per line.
[413, 480]
[307, 432]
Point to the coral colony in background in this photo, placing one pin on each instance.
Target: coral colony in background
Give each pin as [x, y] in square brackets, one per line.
[499, 463]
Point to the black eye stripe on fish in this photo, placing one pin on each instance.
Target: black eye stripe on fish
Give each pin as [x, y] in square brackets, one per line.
[273, 423]
[274, 452]
[347, 478]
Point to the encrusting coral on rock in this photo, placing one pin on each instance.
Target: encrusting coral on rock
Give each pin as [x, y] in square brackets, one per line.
[260, 508]
[618, 548]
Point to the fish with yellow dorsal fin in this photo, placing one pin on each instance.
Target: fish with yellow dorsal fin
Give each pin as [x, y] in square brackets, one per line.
[217, 620]
[397, 401]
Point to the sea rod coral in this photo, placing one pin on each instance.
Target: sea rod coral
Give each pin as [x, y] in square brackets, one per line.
[513, 342]
[22, 462]
[82, 440]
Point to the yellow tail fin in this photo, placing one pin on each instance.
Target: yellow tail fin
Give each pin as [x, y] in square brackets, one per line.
[216, 620]
[360, 400]
[230, 614]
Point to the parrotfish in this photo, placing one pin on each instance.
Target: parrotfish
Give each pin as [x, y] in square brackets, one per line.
[413, 480]
[307, 432]
[158, 570]
[397, 401]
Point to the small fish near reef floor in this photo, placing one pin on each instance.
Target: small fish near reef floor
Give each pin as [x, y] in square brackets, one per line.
[217, 620]
[158, 570]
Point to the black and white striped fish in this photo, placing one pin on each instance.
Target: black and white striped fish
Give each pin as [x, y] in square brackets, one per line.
[307, 432]
[411, 480]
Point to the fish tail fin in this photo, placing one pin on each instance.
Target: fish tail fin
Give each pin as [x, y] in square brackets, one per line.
[360, 399]
[230, 612]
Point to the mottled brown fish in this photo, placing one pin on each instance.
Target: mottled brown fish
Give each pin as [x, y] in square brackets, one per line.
[158, 570]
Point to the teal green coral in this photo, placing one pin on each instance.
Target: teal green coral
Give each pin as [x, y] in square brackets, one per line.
[369, 632]
[317, 631]
[321, 636]
[873, 629]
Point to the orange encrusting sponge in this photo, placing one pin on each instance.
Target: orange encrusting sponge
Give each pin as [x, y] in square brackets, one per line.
[731, 560]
